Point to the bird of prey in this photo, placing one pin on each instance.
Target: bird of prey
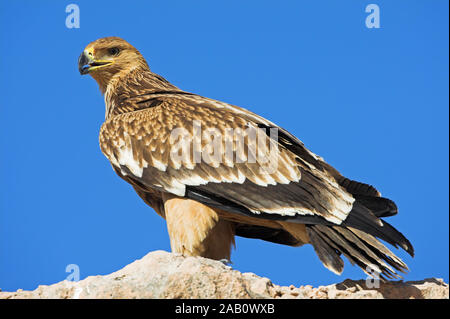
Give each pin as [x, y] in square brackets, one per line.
[214, 171]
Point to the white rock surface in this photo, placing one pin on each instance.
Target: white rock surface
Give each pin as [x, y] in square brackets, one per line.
[164, 275]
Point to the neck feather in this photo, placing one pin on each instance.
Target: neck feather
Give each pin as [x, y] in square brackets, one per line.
[124, 92]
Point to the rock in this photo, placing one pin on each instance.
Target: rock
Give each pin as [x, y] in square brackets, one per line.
[164, 275]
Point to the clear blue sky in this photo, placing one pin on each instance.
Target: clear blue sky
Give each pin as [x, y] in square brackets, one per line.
[372, 102]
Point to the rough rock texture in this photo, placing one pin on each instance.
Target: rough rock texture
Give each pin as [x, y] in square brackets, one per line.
[164, 275]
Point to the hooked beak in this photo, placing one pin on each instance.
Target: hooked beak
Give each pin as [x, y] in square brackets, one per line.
[87, 63]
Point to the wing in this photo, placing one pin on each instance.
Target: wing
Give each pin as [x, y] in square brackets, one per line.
[223, 156]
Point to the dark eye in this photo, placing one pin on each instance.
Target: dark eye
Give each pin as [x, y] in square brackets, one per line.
[114, 51]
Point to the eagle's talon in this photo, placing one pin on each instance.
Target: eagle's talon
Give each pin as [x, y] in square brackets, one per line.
[226, 262]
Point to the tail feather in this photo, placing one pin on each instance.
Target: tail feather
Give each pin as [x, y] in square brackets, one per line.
[357, 238]
[327, 253]
[358, 247]
[361, 246]
[381, 250]
[362, 218]
[356, 255]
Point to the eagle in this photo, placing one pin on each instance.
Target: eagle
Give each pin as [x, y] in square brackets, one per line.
[214, 171]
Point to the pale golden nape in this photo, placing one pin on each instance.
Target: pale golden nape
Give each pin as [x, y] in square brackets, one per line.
[303, 200]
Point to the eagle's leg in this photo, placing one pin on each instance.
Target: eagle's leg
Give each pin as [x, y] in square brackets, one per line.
[196, 229]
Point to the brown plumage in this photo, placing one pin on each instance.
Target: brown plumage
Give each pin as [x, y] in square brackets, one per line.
[249, 182]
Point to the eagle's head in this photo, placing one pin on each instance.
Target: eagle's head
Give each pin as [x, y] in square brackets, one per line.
[107, 58]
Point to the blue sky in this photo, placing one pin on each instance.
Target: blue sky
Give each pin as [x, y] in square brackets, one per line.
[372, 102]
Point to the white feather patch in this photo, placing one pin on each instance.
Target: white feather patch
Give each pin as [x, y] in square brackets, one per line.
[126, 159]
[159, 165]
